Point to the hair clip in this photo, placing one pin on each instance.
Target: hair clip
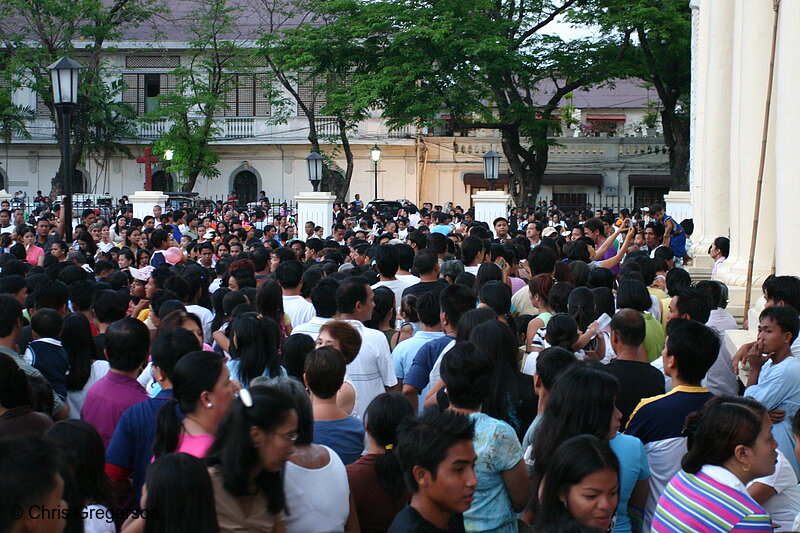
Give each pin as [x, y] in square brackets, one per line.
[246, 398]
[389, 446]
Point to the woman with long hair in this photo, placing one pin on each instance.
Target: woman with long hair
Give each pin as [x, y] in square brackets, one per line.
[580, 487]
[86, 367]
[177, 498]
[581, 306]
[87, 246]
[269, 302]
[142, 258]
[592, 412]
[132, 238]
[730, 444]
[315, 480]
[512, 398]
[376, 479]
[33, 254]
[183, 320]
[83, 453]
[539, 286]
[254, 348]
[384, 314]
[255, 440]
[202, 390]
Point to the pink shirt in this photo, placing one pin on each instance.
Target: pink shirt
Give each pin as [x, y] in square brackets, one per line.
[33, 255]
[195, 445]
[107, 399]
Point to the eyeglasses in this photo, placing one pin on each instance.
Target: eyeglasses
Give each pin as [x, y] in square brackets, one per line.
[291, 437]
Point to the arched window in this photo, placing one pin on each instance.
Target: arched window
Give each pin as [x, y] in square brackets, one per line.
[246, 186]
[80, 181]
[162, 181]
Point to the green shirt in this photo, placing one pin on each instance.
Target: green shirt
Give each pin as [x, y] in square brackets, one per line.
[654, 337]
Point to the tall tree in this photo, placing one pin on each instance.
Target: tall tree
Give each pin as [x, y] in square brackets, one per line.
[14, 119]
[663, 57]
[217, 57]
[471, 64]
[35, 33]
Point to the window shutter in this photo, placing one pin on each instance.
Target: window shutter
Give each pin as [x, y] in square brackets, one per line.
[134, 91]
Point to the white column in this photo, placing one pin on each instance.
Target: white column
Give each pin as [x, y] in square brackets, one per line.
[787, 156]
[752, 39]
[144, 202]
[315, 207]
[679, 205]
[714, 150]
[4, 195]
[490, 205]
[697, 87]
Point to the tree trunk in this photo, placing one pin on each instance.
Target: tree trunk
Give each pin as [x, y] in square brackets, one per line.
[191, 181]
[676, 137]
[341, 194]
[526, 169]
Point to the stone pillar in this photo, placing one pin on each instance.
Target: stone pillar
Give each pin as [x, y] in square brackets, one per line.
[316, 207]
[787, 157]
[712, 169]
[4, 195]
[490, 205]
[752, 39]
[144, 201]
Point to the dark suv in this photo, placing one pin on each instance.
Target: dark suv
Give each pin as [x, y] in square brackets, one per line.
[387, 207]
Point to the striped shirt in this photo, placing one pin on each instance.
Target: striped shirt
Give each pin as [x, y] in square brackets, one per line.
[700, 502]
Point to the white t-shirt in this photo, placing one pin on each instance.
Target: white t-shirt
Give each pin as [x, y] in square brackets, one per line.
[371, 371]
[319, 498]
[473, 269]
[96, 519]
[206, 318]
[398, 286]
[782, 507]
[298, 308]
[312, 327]
[75, 398]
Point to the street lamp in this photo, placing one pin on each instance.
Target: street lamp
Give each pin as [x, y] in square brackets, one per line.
[491, 167]
[375, 155]
[169, 154]
[64, 77]
[314, 162]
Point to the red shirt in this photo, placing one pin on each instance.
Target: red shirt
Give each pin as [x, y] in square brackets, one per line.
[375, 507]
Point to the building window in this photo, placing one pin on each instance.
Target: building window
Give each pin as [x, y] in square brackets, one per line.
[142, 90]
[152, 61]
[311, 95]
[247, 97]
[647, 196]
[570, 201]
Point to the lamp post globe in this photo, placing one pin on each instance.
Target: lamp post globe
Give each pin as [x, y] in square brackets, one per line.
[64, 77]
[375, 155]
[491, 167]
[314, 161]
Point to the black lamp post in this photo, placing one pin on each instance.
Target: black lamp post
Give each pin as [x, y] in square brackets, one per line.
[375, 155]
[64, 75]
[314, 162]
[491, 167]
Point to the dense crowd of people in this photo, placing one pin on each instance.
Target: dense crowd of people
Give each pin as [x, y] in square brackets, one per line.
[227, 369]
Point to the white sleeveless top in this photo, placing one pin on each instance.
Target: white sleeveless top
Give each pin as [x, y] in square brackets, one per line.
[318, 500]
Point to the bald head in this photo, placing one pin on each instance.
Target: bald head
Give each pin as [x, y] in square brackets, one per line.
[629, 326]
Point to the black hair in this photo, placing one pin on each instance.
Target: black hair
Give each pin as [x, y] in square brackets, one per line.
[234, 451]
[487, 272]
[580, 272]
[472, 319]
[384, 305]
[382, 418]
[428, 309]
[785, 289]
[295, 349]
[695, 303]
[301, 404]
[47, 323]
[713, 291]
[600, 277]
[568, 414]
[551, 363]
[425, 261]
[424, 441]
[786, 317]
[170, 346]
[581, 305]
[82, 450]
[14, 388]
[269, 301]
[127, 344]
[11, 315]
[324, 371]
[558, 298]
[109, 306]
[180, 497]
[633, 294]
[158, 237]
[497, 295]
[577, 458]
[407, 256]
[677, 279]
[604, 301]
[254, 343]
[289, 274]
[28, 474]
[51, 293]
[694, 345]
[630, 326]
[350, 292]
[323, 297]
[715, 431]
[542, 260]
[387, 259]
[723, 244]
[467, 372]
[562, 330]
[12, 284]
[455, 300]
[76, 338]
[470, 249]
[195, 373]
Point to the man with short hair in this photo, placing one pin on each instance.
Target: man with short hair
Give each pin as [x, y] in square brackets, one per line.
[426, 264]
[338, 234]
[31, 488]
[289, 275]
[387, 261]
[658, 422]
[438, 461]
[455, 300]
[472, 254]
[637, 378]
[533, 232]
[323, 297]
[653, 237]
[500, 225]
[595, 229]
[371, 372]
[5, 221]
[127, 345]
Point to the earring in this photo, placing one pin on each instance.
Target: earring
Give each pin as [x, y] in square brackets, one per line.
[746, 468]
[209, 405]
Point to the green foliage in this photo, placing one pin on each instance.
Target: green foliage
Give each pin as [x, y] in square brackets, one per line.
[14, 118]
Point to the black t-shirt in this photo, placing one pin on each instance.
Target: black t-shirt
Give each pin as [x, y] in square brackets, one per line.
[424, 287]
[409, 521]
[637, 380]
